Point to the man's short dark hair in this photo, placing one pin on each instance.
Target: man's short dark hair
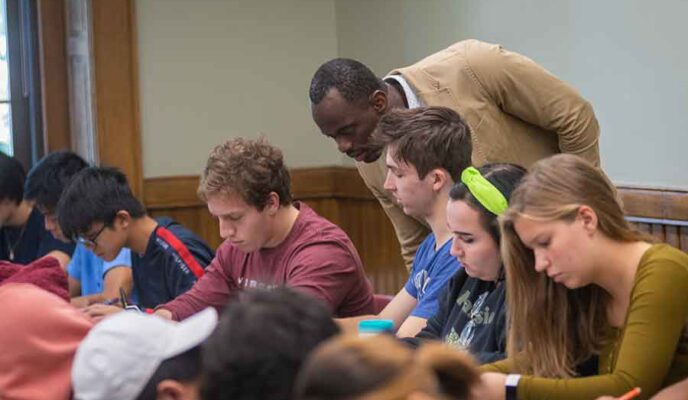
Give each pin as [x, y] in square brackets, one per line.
[185, 367]
[96, 194]
[47, 179]
[260, 343]
[426, 138]
[352, 79]
[12, 177]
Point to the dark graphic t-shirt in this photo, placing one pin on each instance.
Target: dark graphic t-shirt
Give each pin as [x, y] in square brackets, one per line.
[472, 316]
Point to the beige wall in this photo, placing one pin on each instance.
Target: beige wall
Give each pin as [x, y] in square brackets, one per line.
[214, 69]
[211, 69]
[626, 56]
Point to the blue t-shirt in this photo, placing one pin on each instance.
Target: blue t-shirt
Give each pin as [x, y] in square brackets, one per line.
[174, 260]
[30, 242]
[89, 269]
[430, 273]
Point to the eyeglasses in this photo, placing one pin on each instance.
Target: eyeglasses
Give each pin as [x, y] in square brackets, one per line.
[90, 243]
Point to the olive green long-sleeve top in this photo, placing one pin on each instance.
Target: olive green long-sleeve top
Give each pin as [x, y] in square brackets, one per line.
[650, 351]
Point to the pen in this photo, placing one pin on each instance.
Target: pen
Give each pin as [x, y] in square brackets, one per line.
[631, 394]
[123, 298]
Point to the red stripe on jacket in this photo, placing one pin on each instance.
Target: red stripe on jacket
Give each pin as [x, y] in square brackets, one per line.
[182, 250]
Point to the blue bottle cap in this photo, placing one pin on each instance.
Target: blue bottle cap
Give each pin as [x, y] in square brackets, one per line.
[376, 326]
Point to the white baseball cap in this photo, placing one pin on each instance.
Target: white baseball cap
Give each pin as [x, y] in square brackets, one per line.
[121, 353]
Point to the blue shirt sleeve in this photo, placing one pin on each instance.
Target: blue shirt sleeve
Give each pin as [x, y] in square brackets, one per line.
[440, 267]
[123, 259]
[416, 277]
[74, 266]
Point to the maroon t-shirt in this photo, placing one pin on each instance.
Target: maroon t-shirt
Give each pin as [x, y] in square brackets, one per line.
[316, 257]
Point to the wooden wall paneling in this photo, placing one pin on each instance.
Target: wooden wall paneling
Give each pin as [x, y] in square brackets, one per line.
[683, 238]
[339, 194]
[115, 63]
[336, 193]
[372, 235]
[645, 228]
[196, 219]
[53, 66]
[669, 204]
[171, 192]
[352, 207]
[663, 213]
[672, 236]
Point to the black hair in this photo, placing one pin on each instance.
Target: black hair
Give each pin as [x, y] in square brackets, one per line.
[261, 342]
[503, 176]
[352, 79]
[47, 179]
[12, 177]
[185, 367]
[96, 194]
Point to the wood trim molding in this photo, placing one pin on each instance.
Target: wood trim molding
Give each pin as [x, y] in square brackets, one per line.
[666, 204]
[328, 182]
[53, 67]
[307, 183]
[345, 183]
[115, 66]
[171, 191]
[340, 195]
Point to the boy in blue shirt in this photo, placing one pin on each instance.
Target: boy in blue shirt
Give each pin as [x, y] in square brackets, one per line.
[425, 151]
[91, 280]
[98, 210]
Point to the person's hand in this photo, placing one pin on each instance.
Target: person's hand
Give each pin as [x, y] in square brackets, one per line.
[80, 302]
[100, 311]
[606, 398]
[491, 387]
[161, 312]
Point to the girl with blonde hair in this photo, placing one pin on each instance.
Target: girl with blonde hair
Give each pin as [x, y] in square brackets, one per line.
[382, 368]
[594, 308]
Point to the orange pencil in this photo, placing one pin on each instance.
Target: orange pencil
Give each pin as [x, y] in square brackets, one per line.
[631, 394]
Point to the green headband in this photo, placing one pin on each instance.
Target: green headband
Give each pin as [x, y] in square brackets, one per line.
[484, 191]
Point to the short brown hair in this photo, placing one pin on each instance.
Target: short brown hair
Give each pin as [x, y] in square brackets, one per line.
[251, 168]
[427, 138]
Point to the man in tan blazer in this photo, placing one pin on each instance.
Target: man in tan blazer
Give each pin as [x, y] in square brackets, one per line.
[516, 110]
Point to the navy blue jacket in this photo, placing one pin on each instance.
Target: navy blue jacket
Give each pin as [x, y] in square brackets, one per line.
[174, 260]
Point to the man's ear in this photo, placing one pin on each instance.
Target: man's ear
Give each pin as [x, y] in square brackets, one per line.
[122, 219]
[440, 178]
[170, 389]
[378, 100]
[272, 205]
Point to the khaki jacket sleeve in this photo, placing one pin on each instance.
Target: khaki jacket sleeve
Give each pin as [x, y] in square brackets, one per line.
[410, 232]
[522, 88]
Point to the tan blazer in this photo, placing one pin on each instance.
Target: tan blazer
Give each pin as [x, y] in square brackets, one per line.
[517, 111]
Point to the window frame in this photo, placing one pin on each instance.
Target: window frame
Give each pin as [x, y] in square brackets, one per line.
[24, 82]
